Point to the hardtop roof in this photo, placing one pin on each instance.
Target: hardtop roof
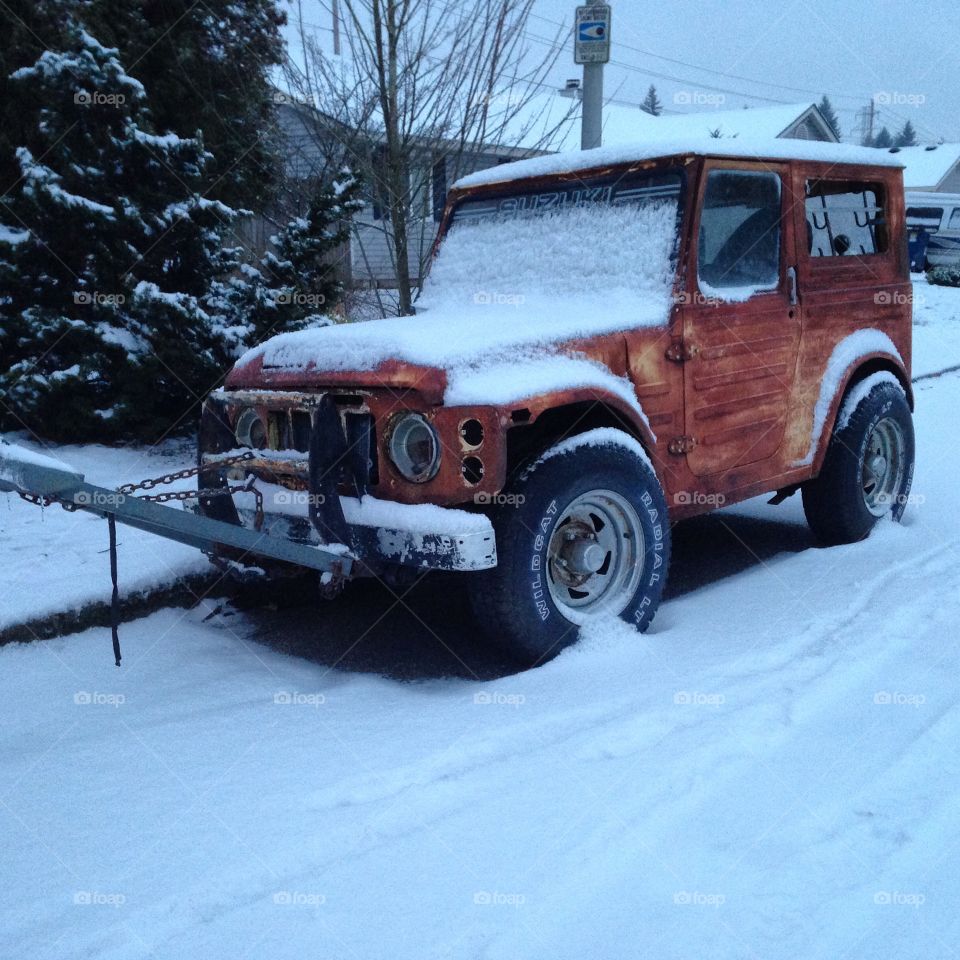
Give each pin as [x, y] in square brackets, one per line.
[836, 154]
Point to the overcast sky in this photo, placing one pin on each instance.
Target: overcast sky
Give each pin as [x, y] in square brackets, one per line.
[723, 54]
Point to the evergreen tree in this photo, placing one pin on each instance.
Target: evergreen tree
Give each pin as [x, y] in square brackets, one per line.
[651, 102]
[107, 250]
[206, 67]
[299, 284]
[907, 137]
[27, 28]
[830, 115]
[883, 140]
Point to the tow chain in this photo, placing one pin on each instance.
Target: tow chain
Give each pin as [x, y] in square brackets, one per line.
[168, 478]
[205, 492]
[128, 489]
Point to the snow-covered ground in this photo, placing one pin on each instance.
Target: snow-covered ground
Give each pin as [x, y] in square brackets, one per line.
[55, 561]
[769, 773]
[936, 326]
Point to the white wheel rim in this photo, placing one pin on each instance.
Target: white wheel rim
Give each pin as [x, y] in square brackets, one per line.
[595, 555]
[883, 465]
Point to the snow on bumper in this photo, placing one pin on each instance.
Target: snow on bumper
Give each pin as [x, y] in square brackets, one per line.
[413, 535]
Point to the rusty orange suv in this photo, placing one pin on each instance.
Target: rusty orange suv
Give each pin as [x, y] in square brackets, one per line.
[608, 341]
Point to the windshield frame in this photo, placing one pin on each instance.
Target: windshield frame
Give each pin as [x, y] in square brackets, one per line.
[586, 180]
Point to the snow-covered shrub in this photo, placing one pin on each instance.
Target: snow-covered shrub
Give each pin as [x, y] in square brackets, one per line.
[299, 283]
[945, 276]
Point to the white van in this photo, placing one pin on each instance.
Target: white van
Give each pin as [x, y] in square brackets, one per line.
[938, 216]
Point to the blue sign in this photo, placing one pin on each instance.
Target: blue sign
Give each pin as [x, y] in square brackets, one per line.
[592, 30]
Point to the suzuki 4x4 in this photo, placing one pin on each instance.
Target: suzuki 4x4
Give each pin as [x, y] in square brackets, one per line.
[608, 342]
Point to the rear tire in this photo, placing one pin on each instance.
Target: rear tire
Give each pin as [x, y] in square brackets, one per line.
[583, 532]
[868, 469]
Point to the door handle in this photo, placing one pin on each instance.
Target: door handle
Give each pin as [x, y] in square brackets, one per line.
[792, 282]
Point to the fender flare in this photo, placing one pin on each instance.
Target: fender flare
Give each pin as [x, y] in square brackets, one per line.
[579, 402]
[828, 406]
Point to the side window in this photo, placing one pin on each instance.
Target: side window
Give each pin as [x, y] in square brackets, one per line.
[845, 218]
[954, 220]
[927, 217]
[739, 242]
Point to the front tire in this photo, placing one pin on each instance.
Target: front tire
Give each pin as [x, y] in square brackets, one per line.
[582, 533]
[868, 469]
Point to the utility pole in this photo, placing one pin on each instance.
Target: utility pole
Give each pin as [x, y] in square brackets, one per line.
[335, 13]
[591, 47]
[867, 118]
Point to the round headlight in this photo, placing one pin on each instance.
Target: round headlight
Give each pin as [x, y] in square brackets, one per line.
[251, 431]
[414, 447]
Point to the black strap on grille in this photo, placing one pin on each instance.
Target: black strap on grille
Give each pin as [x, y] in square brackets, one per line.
[328, 465]
[115, 599]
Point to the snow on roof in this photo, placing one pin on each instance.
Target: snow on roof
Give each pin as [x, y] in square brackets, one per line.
[761, 149]
[553, 114]
[926, 166]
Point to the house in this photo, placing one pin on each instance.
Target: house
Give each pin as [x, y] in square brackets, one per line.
[931, 169]
[317, 145]
[623, 124]
[546, 123]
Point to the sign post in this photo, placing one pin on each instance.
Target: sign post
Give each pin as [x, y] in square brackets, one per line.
[591, 47]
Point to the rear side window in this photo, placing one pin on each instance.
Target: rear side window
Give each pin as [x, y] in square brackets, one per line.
[954, 220]
[845, 218]
[739, 242]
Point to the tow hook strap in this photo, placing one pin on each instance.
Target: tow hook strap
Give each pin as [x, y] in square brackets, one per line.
[115, 600]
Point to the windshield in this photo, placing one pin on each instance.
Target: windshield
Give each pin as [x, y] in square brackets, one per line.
[591, 246]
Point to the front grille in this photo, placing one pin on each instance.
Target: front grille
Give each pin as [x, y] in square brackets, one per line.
[299, 430]
[291, 429]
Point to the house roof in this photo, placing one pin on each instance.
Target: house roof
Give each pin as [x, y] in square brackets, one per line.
[926, 167]
[761, 149]
[553, 113]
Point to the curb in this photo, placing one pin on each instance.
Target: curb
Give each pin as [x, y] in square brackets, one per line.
[183, 593]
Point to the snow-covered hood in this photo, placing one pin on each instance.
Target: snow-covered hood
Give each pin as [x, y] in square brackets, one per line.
[491, 352]
[504, 313]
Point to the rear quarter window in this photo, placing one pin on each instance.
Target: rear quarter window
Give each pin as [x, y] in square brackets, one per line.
[846, 218]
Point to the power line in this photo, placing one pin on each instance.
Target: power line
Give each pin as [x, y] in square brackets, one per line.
[729, 76]
[634, 68]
